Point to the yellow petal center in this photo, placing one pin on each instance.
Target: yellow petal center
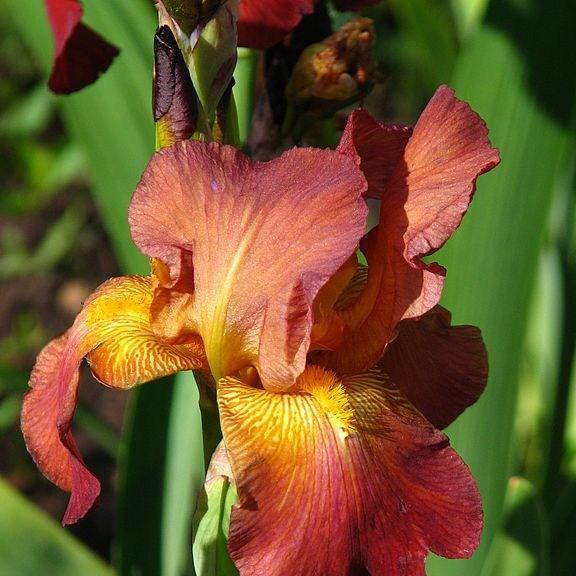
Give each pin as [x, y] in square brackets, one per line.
[330, 394]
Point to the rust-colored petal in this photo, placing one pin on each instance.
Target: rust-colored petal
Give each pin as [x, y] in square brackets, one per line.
[328, 327]
[441, 369]
[113, 331]
[422, 204]
[263, 23]
[264, 237]
[124, 349]
[447, 152]
[375, 146]
[81, 54]
[342, 478]
[46, 413]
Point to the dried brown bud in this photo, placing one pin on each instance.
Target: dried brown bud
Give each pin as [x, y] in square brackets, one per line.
[336, 72]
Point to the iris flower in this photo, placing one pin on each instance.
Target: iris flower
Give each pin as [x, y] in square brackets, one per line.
[81, 54]
[332, 378]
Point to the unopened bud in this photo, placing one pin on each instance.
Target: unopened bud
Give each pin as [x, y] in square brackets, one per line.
[336, 72]
[189, 14]
[175, 101]
[206, 34]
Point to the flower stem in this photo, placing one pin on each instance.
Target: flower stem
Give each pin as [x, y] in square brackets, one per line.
[243, 90]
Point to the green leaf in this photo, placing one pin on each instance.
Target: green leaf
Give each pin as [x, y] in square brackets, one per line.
[31, 544]
[428, 29]
[211, 556]
[514, 74]
[245, 76]
[30, 115]
[57, 242]
[162, 473]
[9, 411]
[564, 532]
[468, 14]
[522, 548]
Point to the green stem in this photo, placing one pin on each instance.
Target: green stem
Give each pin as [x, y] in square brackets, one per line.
[243, 90]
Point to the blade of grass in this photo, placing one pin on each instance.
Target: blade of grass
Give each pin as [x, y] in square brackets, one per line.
[31, 544]
[514, 73]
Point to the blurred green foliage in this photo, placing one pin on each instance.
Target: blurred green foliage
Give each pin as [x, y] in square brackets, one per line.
[511, 270]
[31, 544]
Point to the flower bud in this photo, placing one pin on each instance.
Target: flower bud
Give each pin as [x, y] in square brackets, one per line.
[189, 14]
[175, 102]
[205, 31]
[334, 73]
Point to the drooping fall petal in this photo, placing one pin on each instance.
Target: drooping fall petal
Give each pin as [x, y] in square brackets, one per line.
[263, 23]
[264, 237]
[46, 430]
[81, 54]
[113, 331]
[342, 478]
[422, 204]
[441, 369]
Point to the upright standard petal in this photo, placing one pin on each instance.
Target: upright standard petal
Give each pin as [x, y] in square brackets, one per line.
[263, 23]
[113, 331]
[441, 369]
[264, 237]
[342, 478]
[423, 202]
[81, 54]
[377, 147]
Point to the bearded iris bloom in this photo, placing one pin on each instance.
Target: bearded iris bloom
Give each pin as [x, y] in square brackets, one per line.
[332, 378]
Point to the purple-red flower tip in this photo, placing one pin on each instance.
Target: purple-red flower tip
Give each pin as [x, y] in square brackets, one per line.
[80, 54]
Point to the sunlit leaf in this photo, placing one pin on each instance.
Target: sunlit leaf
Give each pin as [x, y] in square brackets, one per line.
[31, 544]
[523, 546]
[211, 535]
[162, 474]
[428, 28]
[515, 75]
